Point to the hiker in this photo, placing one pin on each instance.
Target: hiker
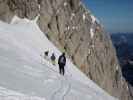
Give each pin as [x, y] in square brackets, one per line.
[62, 63]
[53, 58]
[46, 53]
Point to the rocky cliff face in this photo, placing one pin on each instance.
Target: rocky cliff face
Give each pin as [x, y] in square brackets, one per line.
[72, 27]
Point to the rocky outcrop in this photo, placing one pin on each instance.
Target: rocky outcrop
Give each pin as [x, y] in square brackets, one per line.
[72, 27]
[5, 13]
[21, 8]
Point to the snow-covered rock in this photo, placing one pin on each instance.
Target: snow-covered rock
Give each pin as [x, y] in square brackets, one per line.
[65, 3]
[92, 32]
[93, 19]
[84, 16]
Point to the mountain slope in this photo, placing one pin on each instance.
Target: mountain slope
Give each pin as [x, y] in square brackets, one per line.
[70, 26]
[25, 74]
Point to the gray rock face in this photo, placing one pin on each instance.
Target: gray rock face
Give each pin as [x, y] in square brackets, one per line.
[72, 27]
[24, 8]
[5, 13]
[21, 8]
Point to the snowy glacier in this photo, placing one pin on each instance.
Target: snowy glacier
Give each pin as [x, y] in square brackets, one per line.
[26, 75]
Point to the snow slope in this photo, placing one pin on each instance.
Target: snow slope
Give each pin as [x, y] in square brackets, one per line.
[25, 75]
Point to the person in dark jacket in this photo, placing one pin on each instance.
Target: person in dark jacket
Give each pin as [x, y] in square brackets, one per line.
[46, 55]
[62, 63]
[53, 58]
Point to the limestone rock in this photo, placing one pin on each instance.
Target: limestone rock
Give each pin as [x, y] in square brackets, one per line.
[71, 26]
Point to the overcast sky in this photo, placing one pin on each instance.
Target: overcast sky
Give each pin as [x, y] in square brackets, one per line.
[115, 15]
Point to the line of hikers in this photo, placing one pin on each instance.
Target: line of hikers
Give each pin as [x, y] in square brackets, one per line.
[61, 61]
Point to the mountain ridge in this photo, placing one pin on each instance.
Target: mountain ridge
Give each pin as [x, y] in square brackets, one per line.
[73, 28]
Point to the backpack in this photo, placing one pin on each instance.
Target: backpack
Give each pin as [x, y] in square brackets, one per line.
[62, 60]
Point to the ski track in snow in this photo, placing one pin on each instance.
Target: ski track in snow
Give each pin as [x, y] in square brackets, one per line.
[26, 75]
[61, 87]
